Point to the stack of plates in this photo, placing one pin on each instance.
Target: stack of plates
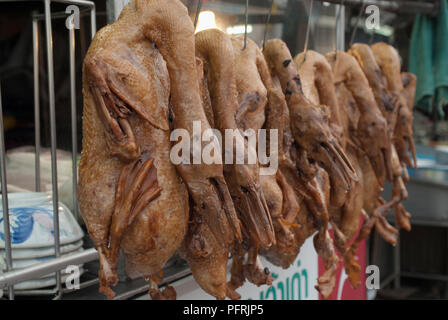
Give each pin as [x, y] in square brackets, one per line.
[32, 235]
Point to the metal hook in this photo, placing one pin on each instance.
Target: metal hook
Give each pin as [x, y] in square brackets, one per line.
[198, 10]
[372, 35]
[267, 23]
[352, 38]
[245, 25]
[307, 37]
[338, 16]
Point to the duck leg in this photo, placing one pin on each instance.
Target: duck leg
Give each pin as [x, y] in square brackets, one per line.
[137, 186]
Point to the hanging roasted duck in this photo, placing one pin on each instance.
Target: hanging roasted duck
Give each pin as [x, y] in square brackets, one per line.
[215, 51]
[372, 127]
[165, 24]
[348, 71]
[292, 222]
[130, 196]
[346, 211]
[309, 122]
[409, 81]
[389, 62]
[206, 257]
[389, 104]
[252, 102]
[314, 157]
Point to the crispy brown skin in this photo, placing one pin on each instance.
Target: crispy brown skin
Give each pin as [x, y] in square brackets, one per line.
[389, 62]
[215, 52]
[215, 49]
[315, 148]
[374, 61]
[206, 257]
[345, 212]
[166, 23]
[375, 142]
[251, 73]
[138, 77]
[371, 131]
[309, 122]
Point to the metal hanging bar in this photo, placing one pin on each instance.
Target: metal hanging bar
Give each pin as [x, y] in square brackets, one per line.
[308, 27]
[394, 6]
[352, 38]
[268, 18]
[92, 20]
[198, 10]
[74, 121]
[245, 24]
[338, 16]
[11, 277]
[54, 172]
[47, 267]
[36, 103]
[372, 36]
[5, 207]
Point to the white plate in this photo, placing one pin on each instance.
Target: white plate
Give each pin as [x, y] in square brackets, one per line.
[21, 199]
[31, 222]
[18, 253]
[24, 263]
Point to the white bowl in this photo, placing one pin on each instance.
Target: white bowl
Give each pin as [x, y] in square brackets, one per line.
[31, 222]
[18, 254]
[24, 263]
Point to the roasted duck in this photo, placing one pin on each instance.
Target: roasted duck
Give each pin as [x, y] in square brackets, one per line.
[129, 192]
[389, 103]
[215, 51]
[389, 62]
[149, 49]
[342, 126]
[317, 170]
[251, 73]
[345, 212]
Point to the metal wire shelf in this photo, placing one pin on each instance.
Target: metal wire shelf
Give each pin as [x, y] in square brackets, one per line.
[11, 276]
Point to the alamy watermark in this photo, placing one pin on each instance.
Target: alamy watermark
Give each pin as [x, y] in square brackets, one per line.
[72, 277]
[373, 20]
[240, 147]
[372, 277]
[72, 21]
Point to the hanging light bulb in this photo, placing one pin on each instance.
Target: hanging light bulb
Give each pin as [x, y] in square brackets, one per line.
[206, 20]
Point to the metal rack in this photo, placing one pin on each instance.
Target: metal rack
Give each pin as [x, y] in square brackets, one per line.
[11, 276]
[424, 7]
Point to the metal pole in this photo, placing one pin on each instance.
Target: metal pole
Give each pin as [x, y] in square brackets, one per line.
[198, 10]
[5, 207]
[74, 119]
[361, 11]
[402, 6]
[338, 13]
[268, 18]
[245, 24]
[308, 27]
[36, 102]
[397, 266]
[47, 267]
[85, 3]
[54, 174]
[93, 21]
